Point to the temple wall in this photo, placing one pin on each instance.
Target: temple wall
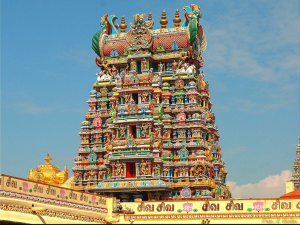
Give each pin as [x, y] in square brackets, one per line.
[289, 186]
[30, 202]
[271, 210]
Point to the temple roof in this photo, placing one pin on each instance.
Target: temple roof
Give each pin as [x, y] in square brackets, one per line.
[48, 173]
[293, 194]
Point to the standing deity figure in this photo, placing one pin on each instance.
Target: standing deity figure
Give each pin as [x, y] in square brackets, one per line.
[165, 170]
[114, 71]
[126, 97]
[144, 64]
[122, 131]
[143, 168]
[155, 170]
[160, 67]
[144, 130]
[119, 169]
[174, 65]
[144, 97]
[93, 175]
[100, 175]
[132, 65]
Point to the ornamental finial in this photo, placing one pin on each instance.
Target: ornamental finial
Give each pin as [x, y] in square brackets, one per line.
[48, 159]
[150, 19]
[123, 25]
[163, 20]
[177, 19]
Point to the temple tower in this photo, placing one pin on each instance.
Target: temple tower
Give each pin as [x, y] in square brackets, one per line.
[150, 131]
[294, 184]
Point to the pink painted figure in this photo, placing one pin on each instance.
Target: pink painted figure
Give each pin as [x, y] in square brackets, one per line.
[94, 199]
[25, 186]
[62, 194]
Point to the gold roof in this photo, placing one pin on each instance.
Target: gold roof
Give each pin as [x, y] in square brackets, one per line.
[48, 173]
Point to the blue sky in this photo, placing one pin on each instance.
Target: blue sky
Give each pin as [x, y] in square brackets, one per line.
[251, 62]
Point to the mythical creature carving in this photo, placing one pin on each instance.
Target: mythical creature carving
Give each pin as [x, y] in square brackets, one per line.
[139, 36]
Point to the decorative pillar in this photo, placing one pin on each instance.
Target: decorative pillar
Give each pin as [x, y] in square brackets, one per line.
[117, 133]
[127, 133]
[180, 169]
[174, 134]
[149, 94]
[149, 130]
[172, 100]
[158, 170]
[216, 170]
[187, 171]
[113, 169]
[189, 133]
[137, 169]
[101, 140]
[138, 127]
[186, 99]
[149, 167]
[124, 169]
[139, 98]
[121, 99]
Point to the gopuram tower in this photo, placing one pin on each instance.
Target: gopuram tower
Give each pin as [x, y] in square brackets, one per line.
[150, 131]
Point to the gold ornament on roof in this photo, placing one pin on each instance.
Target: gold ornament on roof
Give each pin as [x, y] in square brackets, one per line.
[163, 20]
[123, 25]
[177, 19]
[48, 173]
[150, 19]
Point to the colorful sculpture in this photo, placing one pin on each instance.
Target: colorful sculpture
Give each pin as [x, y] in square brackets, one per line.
[150, 129]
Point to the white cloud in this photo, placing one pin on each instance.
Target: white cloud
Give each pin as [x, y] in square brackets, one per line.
[270, 187]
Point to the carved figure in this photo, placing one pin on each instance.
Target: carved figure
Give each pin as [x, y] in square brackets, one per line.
[100, 175]
[132, 65]
[144, 97]
[143, 168]
[165, 170]
[160, 67]
[119, 169]
[144, 64]
[176, 172]
[122, 131]
[144, 130]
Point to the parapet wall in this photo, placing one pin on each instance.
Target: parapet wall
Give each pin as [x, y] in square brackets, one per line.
[268, 210]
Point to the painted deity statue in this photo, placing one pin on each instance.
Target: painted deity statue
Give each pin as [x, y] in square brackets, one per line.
[143, 168]
[119, 169]
[144, 64]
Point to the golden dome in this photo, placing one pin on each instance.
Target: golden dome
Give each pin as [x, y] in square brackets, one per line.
[48, 173]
